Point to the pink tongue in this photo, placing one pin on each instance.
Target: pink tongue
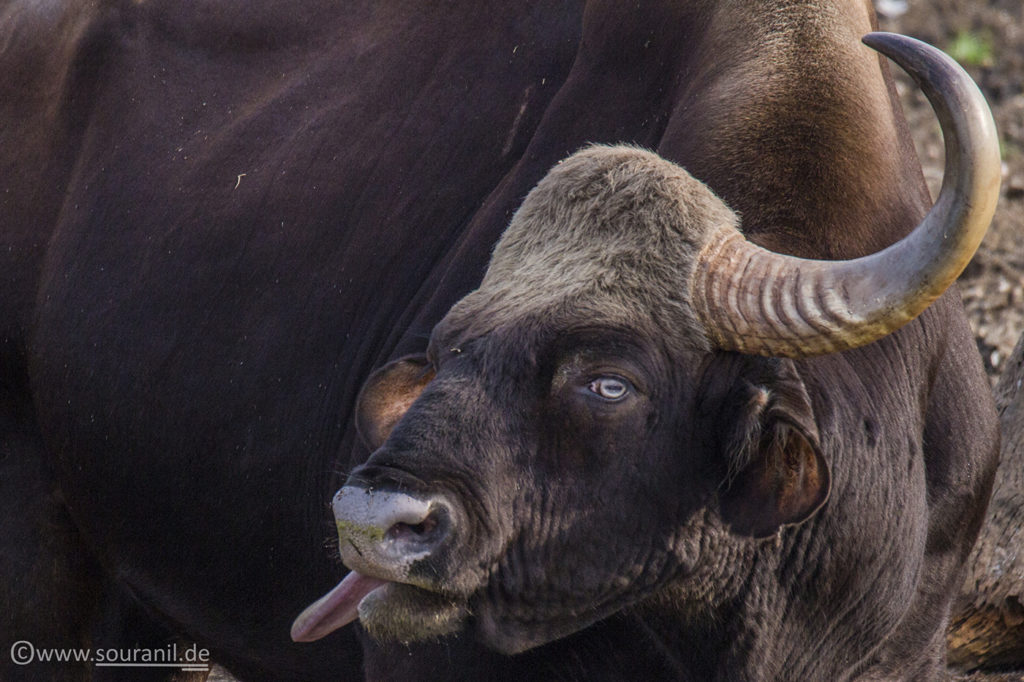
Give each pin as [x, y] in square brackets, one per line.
[335, 609]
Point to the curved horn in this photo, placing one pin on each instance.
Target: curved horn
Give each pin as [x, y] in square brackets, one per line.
[755, 301]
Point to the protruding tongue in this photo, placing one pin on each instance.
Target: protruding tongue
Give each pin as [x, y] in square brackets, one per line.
[337, 608]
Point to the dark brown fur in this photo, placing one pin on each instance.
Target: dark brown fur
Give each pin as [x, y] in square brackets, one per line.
[216, 219]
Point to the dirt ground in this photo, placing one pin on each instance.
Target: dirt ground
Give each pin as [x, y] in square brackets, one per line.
[987, 36]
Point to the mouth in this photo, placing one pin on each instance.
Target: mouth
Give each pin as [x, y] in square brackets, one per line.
[397, 546]
[388, 610]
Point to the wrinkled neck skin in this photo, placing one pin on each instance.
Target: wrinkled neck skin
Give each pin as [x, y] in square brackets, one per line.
[728, 632]
[722, 637]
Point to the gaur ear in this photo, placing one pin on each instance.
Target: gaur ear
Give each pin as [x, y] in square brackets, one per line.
[775, 473]
[387, 394]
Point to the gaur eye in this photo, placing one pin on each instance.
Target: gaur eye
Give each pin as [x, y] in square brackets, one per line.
[609, 388]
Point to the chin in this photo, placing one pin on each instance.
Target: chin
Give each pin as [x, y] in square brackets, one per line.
[404, 613]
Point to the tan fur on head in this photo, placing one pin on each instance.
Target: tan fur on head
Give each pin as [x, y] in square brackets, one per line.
[609, 229]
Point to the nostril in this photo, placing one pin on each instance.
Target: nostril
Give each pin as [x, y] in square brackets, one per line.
[405, 530]
[430, 530]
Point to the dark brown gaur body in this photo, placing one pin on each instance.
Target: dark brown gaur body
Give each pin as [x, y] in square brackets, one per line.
[219, 223]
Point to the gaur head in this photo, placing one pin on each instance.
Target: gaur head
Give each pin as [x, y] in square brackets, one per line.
[581, 436]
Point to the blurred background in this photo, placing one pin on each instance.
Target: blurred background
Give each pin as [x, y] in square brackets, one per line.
[987, 38]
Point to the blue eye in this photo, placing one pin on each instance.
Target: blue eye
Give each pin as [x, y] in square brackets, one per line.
[609, 388]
